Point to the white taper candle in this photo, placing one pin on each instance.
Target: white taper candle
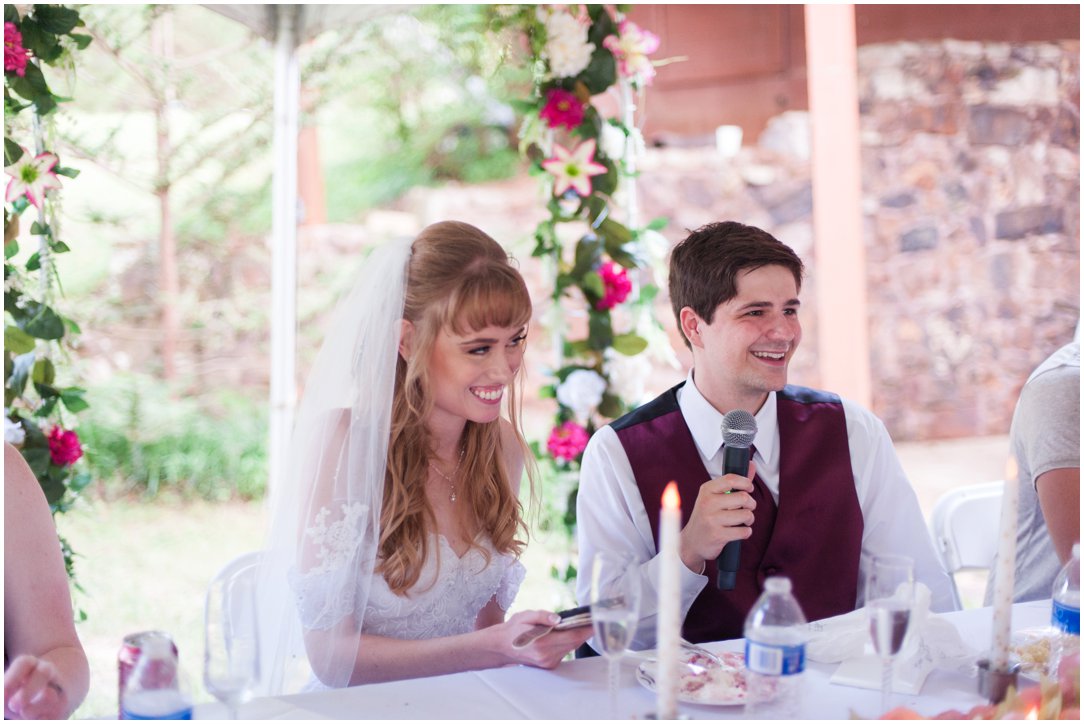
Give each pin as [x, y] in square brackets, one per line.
[668, 632]
[1006, 568]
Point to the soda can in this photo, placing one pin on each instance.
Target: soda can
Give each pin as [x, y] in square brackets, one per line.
[130, 649]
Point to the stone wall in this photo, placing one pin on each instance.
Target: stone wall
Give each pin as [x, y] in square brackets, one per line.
[971, 207]
[971, 192]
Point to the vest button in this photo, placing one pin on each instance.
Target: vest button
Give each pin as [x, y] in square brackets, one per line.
[771, 571]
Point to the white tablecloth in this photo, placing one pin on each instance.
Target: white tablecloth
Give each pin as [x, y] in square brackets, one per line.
[577, 690]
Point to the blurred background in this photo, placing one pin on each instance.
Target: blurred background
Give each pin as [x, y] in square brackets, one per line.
[970, 218]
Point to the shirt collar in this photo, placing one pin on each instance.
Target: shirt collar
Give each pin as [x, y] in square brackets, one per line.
[705, 423]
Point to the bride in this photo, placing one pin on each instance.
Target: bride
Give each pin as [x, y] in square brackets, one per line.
[396, 536]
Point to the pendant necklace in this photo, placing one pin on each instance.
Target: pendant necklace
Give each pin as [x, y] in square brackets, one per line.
[450, 478]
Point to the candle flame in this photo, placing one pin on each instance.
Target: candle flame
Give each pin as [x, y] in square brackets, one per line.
[1011, 470]
[670, 498]
[1033, 714]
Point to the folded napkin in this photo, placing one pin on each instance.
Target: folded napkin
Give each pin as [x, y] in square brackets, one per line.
[932, 642]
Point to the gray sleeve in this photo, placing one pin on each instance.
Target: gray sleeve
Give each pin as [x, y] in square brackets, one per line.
[1046, 427]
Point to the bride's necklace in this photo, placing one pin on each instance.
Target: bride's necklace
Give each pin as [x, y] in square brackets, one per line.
[450, 478]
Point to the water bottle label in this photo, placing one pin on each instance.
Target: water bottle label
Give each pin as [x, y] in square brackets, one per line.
[131, 715]
[1066, 618]
[774, 659]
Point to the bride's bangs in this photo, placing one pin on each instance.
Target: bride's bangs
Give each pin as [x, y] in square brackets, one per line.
[494, 297]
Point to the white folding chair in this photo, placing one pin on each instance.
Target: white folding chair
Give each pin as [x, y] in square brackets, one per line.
[964, 525]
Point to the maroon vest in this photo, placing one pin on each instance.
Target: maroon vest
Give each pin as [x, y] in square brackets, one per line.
[814, 535]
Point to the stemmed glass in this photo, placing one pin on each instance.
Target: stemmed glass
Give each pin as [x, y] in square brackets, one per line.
[231, 662]
[615, 610]
[890, 591]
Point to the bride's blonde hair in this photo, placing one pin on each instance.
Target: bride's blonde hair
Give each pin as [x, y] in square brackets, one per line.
[459, 279]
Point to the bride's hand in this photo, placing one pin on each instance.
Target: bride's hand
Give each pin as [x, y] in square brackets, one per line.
[545, 652]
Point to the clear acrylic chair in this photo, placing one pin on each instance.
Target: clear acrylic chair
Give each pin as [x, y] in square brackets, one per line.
[240, 574]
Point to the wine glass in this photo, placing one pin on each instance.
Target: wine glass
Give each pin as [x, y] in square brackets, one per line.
[615, 610]
[890, 591]
[231, 662]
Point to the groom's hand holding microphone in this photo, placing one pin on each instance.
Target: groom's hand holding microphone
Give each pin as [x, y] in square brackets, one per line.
[723, 513]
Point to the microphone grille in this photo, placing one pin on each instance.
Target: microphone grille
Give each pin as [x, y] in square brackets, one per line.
[739, 428]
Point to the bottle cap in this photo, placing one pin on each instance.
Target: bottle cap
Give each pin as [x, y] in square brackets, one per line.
[777, 584]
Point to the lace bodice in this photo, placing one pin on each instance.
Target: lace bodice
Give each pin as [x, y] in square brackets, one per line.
[463, 586]
[450, 593]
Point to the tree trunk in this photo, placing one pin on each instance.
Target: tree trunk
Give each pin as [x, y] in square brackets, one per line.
[168, 278]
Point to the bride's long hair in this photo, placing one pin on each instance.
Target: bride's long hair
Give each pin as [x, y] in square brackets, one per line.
[459, 279]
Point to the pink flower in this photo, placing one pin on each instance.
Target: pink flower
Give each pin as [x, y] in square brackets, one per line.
[573, 169]
[567, 441]
[32, 177]
[14, 52]
[562, 108]
[64, 447]
[631, 48]
[615, 280]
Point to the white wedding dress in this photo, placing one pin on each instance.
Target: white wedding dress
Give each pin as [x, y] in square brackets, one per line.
[446, 601]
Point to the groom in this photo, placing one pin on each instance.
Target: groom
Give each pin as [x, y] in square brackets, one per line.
[825, 491]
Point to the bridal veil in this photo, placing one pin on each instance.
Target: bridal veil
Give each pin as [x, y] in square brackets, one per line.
[325, 518]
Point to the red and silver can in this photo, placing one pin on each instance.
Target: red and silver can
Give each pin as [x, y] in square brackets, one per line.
[130, 649]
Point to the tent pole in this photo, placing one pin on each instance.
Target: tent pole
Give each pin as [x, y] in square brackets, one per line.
[283, 321]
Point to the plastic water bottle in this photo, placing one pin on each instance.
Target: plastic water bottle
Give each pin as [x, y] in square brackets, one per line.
[1065, 616]
[775, 638]
[153, 689]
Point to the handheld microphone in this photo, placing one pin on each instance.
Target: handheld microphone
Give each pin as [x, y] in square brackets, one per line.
[739, 429]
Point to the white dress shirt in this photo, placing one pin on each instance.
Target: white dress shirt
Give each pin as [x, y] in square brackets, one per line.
[610, 513]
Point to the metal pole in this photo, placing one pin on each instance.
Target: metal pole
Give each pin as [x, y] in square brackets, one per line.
[284, 242]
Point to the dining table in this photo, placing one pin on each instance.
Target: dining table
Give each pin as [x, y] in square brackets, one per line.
[577, 689]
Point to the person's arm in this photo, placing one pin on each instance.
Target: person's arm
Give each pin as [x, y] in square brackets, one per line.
[1046, 434]
[381, 658]
[1059, 498]
[48, 676]
[610, 516]
[892, 519]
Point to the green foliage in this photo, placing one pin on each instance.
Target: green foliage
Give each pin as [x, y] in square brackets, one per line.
[38, 405]
[605, 262]
[141, 441]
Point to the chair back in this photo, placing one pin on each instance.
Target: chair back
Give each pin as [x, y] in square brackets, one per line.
[243, 571]
[964, 525]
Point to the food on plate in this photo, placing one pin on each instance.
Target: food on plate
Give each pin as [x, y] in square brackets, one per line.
[705, 679]
[1031, 647]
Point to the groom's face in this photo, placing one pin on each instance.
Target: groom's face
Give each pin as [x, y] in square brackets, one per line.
[745, 351]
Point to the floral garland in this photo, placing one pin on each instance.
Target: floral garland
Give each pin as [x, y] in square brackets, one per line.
[35, 406]
[584, 57]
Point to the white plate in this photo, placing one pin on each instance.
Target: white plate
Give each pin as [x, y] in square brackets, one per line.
[702, 681]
